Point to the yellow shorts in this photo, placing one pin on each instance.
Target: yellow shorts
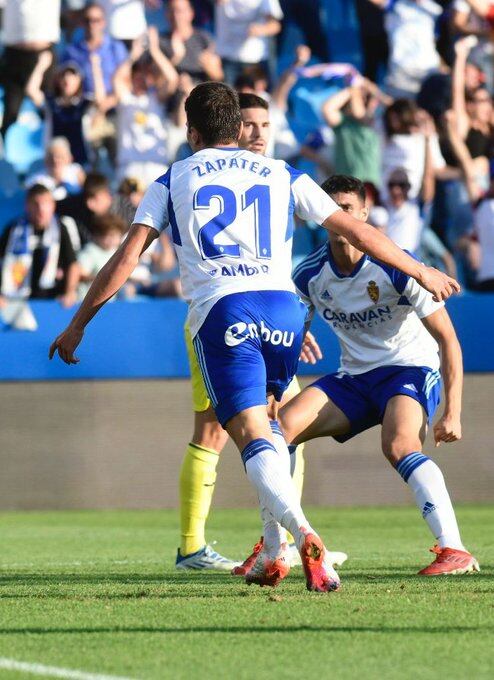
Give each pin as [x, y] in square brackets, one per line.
[200, 399]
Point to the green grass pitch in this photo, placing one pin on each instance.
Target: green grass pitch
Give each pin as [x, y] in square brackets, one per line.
[97, 592]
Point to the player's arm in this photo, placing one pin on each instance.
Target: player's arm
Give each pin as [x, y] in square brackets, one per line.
[448, 427]
[370, 240]
[107, 282]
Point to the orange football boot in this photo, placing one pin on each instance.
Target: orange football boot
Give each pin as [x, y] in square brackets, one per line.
[248, 563]
[320, 575]
[268, 571]
[450, 561]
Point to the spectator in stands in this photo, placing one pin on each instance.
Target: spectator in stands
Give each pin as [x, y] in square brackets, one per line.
[107, 232]
[30, 27]
[408, 138]
[36, 253]
[126, 19]
[96, 200]
[96, 48]
[481, 248]
[473, 113]
[65, 109]
[60, 175]
[351, 114]
[378, 215]
[404, 221]
[190, 50]
[243, 29]
[373, 37]
[142, 85]
[410, 25]
[470, 18]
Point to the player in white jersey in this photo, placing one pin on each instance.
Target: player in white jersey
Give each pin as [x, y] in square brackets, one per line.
[230, 214]
[390, 332]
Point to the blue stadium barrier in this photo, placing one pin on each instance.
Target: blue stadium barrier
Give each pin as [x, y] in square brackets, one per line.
[144, 339]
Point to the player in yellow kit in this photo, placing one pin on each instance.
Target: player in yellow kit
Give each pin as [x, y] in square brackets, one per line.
[198, 473]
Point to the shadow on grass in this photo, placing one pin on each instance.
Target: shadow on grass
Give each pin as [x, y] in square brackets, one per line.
[250, 630]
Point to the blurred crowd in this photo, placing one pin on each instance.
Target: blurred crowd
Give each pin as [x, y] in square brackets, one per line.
[106, 82]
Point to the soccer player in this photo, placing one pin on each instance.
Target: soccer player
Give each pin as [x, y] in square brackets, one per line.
[230, 214]
[198, 472]
[390, 331]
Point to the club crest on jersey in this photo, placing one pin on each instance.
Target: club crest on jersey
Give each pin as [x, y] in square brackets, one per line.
[373, 291]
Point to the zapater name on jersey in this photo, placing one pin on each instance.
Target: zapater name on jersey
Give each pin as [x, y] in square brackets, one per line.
[238, 235]
[375, 312]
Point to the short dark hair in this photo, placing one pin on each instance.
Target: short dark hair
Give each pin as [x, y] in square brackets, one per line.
[345, 184]
[213, 110]
[248, 100]
[37, 190]
[95, 182]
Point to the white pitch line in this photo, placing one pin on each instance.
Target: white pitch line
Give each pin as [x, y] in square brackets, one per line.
[53, 671]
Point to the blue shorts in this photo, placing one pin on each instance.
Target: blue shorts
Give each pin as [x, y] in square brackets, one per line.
[363, 398]
[248, 346]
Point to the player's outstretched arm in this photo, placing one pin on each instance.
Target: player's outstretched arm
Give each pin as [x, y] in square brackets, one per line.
[448, 427]
[370, 240]
[108, 281]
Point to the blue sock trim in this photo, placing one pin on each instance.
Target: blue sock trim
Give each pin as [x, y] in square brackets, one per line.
[254, 447]
[410, 463]
[275, 428]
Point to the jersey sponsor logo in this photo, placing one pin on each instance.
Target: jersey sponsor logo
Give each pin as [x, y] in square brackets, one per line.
[241, 331]
[373, 291]
[368, 316]
[244, 270]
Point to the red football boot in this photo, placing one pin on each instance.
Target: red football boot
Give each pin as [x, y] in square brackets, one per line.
[247, 564]
[450, 561]
[268, 571]
[320, 575]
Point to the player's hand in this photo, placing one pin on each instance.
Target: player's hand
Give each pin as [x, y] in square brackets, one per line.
[66, 344]
[447, 429]
[439, 284]
[311, 352]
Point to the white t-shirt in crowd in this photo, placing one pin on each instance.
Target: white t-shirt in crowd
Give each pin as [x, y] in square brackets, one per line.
[484, 228]
[410, 25]
[405, 226]
[232, 20]
[126, 18]
[408, 152]
[141, 129]
[31, 21]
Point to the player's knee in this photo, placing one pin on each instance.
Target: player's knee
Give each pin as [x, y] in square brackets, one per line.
[397, 446]
[286, 428]
[210, 436]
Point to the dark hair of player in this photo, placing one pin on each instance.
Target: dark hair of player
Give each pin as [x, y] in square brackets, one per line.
[213, 110]
[37, 190]
[95, 182]
[344, 184]
[251, 101]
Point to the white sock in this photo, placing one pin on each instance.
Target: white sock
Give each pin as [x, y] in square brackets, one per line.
[274, 534]
[431, 495]
[268, 472]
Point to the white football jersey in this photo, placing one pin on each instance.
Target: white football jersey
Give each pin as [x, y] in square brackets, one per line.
[375, 312]
[231, 217]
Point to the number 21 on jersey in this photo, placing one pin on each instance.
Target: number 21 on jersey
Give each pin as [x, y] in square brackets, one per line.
[258, 196]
